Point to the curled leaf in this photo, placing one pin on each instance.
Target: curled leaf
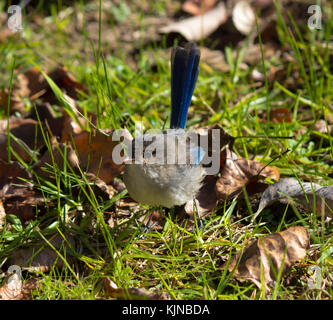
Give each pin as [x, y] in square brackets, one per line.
[196, 28]
[243, 17]
[261, 261]
[306, 193]
[237, 173]
[10, 173]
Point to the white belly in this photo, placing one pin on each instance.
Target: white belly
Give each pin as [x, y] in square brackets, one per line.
[162, 185]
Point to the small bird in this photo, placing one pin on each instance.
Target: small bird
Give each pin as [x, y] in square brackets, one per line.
[165, 169]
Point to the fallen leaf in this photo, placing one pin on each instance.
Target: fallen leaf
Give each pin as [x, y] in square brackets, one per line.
[72, 128]
[305, 192]
[100, 188]
[24, 202]
[112, 290]
[27, 130]
[197, 7]
[10, 173]
[61, 155]
[237, 173]
[243, 17]
[32, 85]
[44, 113]
[67, 82]
[199, 27]
[95, 151]
[41, 257]
[118, 185]
[262, 4]
[27, 84]
[19, 147]
[267, 255]
[280, 115]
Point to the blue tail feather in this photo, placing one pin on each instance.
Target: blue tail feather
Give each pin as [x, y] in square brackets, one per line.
[184, 73]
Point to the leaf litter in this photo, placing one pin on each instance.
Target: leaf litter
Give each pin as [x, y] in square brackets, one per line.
[263, 259]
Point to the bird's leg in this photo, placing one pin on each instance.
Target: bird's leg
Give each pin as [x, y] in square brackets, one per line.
[148, 226]
[196, 217]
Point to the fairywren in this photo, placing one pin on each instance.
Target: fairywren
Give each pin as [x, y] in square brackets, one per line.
[165, 169]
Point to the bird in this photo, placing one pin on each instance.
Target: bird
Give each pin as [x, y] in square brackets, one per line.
[165, 169]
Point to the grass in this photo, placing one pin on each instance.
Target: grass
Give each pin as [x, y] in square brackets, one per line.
[186, 265]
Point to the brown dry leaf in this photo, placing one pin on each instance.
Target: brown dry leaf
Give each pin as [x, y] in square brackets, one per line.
[237, 173]
[9, 174]
[56, 158]
[125, 207]
[196, 28]
[18, 146]
[53, 124]
[32, 85]
[280, 115]
[305, 192]
[273, 74]
[197, 7]
[29, 84]
[95, 154]
[118, 185]
[269, 253]
[71, 128]
[112, 290]
[67, 82]
[23, 202]
[100, 188]
[41, 257]
[27, 130]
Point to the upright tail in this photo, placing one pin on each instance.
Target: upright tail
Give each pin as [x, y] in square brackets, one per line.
[184, 74]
